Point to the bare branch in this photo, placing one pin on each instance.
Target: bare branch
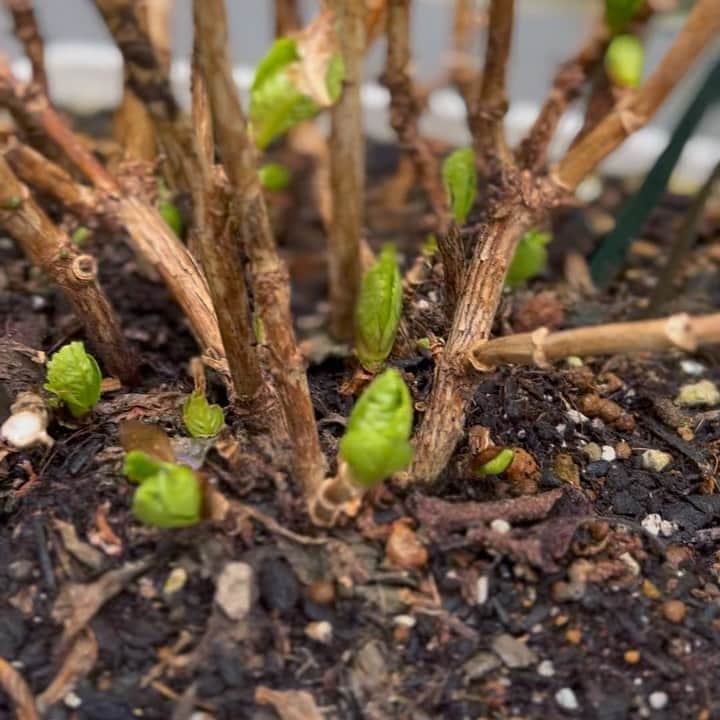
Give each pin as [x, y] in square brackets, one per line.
[28, 32]
[405, 108]
[50, 249]
[700, 28]
[463, 73]
[542, 347]
[287, 17]
[269, 277]
[347, 172]
[487, 126]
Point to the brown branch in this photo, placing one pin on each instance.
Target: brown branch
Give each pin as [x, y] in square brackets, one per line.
[566, 88]
[28, 32]
[700, 28]
[287, 17]
[405, 108]
[47, 247]
[347, 173]
[463, 73]
[269, 277]
[542, 347]
[18, 691]
[487, 125]
[149, 80]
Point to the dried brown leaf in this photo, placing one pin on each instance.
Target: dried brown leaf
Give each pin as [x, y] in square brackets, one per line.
[289, 704]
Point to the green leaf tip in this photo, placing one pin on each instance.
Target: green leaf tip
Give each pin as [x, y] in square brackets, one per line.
[618, 13]
[624, 60]
[171, 216]
[81, 235]
[375, 444]
[171, 498]
[274, 176]
[280, 94]
[140, 466]
[74, 377]
[530, 258]
[499, 464]
[460, 180]
[202, 419]
[378, 310]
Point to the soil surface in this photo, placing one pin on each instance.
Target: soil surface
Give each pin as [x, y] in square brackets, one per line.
[584, 583]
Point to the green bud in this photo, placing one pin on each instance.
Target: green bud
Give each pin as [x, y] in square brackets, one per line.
[202, 419]
[171, 215]
[460, 180]
[530, 258]
[624, 61]
[274, 176]
[430, 245]
[11, 203]
[499, 464]
[276, 101]
[375, 444]
[81, 235]
[74, 376]
[139, 466]
[423, 343]
[618, 13]
[378, 310]
[170, 498]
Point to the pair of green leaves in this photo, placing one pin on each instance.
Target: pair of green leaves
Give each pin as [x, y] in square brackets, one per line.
[202, 419]
[281, 95]
[375, 444]
[378, 310]
[168, 496]
[74, 376]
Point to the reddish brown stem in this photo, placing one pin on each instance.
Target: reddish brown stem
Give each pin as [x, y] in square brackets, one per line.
[542, 347]
[50, 249]
[287, 17]
[463, 74]
[269, 277]
[28, 32]
[405, 108]
[347, 173]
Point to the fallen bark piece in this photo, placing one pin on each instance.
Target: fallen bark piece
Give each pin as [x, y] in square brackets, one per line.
[289, 704]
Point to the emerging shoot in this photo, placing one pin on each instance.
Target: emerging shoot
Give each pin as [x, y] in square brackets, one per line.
[274, 176]
[171, 215]
[74, 377]
[202, 419]
[375, 444]
[624, 61]
[498, 464]
[378, 310]
[530, 258]
[460, 180]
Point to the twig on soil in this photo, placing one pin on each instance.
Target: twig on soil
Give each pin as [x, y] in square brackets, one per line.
[405, 108]
[15, 687]
[27, 31]
[269, 278]
[347, 173]
[50, 249]
[541, 347]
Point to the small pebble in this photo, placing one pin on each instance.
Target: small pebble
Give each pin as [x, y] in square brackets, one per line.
[500, 526]
[404, 549]
[608, 453]
[650, 590]
[482, 590]
[574, 361]
[656, 460]
[623, 450]
[546, 668]
[651, 523]
[593, 452]
[175, 581]
[320, 631]
[631, 563]
[279, 588]
[674, 611]
[691, 367]
[72, 700]
[702, 392]
[658, 700]
[567, 470]
[566, 699]
[20, 570]
[573, 636]
[235, 589]
[322, 592]
[405, 621]
[632, 657]
[513, 652]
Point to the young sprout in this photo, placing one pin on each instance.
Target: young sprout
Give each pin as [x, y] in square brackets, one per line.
[81, 235]
[498, 464]
[202, 419]
[169, 495]
[530, 258]
[74, 376]
[171, 216]
[378, 310]
[375, 444]
[618, 13]
[283, 93]
[460, 180]
[274, 176]
[624, 61]
[11, 203]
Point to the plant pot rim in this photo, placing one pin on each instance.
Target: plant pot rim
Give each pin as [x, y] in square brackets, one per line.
[87, 78]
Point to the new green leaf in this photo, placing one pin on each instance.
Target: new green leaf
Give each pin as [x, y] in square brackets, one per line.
[74, 377]
[170, 498]
[618, 13]
[500, 463]
[378, 310]
[171, 215]
[624, 60]
[202, 419]
[139, 466]
[375, 444]
[460, 180]
[530, 258]
[274, 176]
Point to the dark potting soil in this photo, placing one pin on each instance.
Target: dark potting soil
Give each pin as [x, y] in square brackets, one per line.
[586, 606]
